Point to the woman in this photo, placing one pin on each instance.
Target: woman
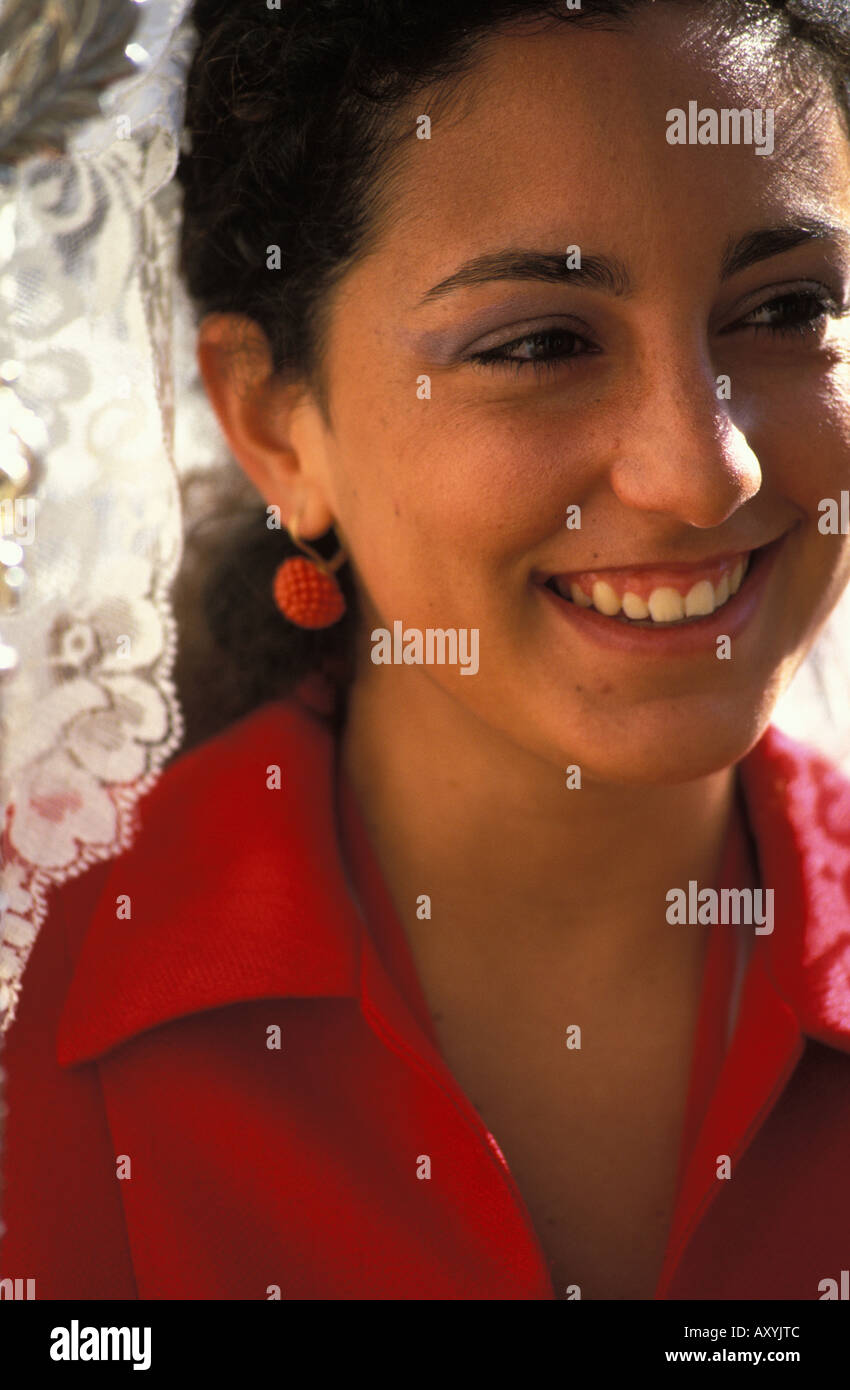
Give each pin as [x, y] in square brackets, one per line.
[512, 961]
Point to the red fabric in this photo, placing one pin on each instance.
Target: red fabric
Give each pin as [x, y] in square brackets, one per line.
[378, 910]
[724, 946]
[254, 1168]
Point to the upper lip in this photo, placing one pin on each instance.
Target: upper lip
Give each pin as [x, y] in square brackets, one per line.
[675, 566]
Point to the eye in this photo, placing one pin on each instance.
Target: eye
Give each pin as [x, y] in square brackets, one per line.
[542, 351]
[801, 312]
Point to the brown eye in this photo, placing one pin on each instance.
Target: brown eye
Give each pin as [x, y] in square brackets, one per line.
[800, 312]
[547, 348]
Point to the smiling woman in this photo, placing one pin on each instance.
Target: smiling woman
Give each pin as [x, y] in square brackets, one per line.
[454, 282]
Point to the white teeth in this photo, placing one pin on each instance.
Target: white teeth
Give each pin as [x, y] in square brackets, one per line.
[606, 599]
[634, 607]
[666, 605]
[700, 600]
[737, 576]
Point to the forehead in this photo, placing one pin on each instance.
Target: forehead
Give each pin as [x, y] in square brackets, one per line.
[562, 133]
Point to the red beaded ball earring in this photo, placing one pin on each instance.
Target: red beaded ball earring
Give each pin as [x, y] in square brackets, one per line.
[305, 590]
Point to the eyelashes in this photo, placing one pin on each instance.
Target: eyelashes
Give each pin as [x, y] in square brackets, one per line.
[801, 311]
[797, 313]
[545, 337]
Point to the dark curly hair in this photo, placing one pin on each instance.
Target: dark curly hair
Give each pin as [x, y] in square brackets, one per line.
[294, 116]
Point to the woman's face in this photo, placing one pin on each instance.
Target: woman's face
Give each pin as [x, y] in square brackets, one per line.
[701, 262]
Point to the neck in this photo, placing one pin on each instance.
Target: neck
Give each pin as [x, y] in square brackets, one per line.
[457, 810]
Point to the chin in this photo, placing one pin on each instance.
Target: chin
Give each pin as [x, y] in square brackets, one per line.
[670, 746]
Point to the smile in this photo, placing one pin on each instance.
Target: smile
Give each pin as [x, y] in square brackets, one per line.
[658, 595]
[665, 610]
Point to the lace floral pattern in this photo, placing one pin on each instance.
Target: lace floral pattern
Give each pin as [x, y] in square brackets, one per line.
[90, 714]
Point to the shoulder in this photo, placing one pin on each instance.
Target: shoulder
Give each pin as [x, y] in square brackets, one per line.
[786, 770]
[232, 890]
[240, 759]
[798, 807]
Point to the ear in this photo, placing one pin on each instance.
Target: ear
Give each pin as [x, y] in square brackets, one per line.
[264, 419]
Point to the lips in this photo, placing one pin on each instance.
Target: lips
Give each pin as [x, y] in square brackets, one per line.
[656, 594]
[688, 638]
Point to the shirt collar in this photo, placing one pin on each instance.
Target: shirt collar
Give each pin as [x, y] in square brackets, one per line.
[209, 927]
[798, 808]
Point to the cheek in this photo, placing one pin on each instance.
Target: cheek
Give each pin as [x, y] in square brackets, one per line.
[832, 412]
[803, 443]
[831, 476]
[803, 440]
[445, 499]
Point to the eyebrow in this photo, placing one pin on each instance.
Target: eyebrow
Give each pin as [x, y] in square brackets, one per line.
[596, 272]
[772, 241]
[610, 275]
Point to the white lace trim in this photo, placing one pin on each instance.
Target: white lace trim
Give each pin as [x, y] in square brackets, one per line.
[87, 311]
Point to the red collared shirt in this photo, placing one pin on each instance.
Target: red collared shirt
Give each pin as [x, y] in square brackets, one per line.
[159, 1147]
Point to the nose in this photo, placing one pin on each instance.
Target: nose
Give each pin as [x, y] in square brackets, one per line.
[684, 455]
